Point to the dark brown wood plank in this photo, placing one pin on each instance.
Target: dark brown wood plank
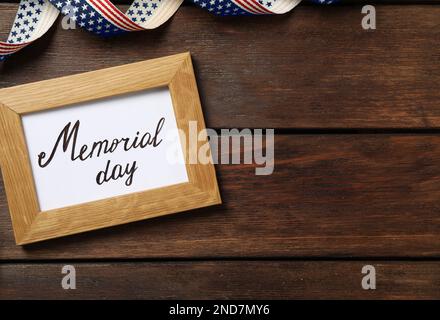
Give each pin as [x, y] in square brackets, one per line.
[315, 67]
[332, 195]
[223, 280]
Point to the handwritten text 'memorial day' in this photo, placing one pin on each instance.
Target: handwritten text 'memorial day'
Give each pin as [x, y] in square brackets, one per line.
[68, 139]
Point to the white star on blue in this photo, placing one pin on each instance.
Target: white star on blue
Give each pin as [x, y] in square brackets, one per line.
[221, 7]
[86, 17]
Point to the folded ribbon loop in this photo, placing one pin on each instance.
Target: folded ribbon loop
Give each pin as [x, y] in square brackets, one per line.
[102, 17]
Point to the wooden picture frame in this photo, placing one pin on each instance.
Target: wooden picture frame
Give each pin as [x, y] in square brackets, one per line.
[32, 225]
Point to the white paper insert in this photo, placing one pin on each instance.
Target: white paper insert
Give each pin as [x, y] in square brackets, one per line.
[65, 182]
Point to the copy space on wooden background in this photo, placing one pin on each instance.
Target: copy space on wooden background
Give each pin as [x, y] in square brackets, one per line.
[357, 152]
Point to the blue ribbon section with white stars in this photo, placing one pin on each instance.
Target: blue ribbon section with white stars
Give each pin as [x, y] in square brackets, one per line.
[35, 17]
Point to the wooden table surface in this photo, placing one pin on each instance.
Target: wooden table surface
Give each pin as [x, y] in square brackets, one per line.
[357, 161]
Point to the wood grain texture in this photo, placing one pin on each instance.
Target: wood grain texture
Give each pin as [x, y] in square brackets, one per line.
[315, 67]
[17, 172]
[65, 91]
[223, 280]
[335, 195]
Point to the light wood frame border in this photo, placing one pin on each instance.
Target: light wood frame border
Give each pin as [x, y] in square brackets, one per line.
[32, 225]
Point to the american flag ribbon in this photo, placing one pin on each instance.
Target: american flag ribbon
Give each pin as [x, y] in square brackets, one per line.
[35, 17]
